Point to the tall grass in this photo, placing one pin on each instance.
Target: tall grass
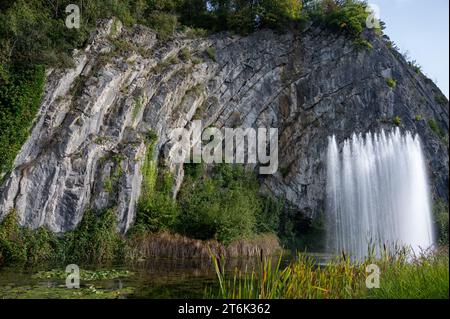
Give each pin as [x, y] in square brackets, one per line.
[401, 276]
[423, 277]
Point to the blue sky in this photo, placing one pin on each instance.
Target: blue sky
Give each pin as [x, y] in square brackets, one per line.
[420, 27]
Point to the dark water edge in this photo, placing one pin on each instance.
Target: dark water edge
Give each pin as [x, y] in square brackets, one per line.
[152, 279]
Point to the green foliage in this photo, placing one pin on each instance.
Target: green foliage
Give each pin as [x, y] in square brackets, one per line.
[95, 240]
[211, 52]
[348, 16]
[441, 99]
[185, 54]
[268, 217]
[415, 66]
[397, 121]
[435, 128]
[157, 212]
[440, 212]
[392, 83]
[418, 117]
[221, 206]
[363, 44]
[138, 103]
[22, 245]
[156, 209]
[164, 24]
[20, 97]
[424, 278]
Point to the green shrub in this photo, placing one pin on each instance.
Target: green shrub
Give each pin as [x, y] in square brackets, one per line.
[12, 246]
[163, 23]
[348, 15]
[392, 83]
[20, 245]
[95, 240]
[157, 212]
[435, 127]
[221, 206]
[397, 121]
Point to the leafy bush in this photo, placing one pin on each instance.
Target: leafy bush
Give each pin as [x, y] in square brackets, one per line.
[392, 83]
[222, 206]
[397, 121]
[348, 16]
[157, 212]
[20, 245]
[95, 240]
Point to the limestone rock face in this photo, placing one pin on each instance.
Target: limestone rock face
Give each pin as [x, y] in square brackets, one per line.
[88, 145]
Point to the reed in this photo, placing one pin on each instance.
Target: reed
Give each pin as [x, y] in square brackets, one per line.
[168, 245]
[401, 276]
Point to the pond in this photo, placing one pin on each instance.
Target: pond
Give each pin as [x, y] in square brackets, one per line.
[152, 279]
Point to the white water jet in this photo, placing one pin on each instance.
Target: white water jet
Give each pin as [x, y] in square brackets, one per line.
[377, 194]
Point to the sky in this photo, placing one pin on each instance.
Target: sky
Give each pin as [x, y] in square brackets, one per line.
[421, 28]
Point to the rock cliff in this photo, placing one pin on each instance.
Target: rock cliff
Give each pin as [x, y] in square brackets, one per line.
[87, 146]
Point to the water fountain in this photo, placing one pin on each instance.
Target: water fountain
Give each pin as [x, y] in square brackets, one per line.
[377, 193]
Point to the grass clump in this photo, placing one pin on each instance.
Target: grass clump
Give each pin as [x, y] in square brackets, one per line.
[185, 54]
[397, 121]
[211, 52]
